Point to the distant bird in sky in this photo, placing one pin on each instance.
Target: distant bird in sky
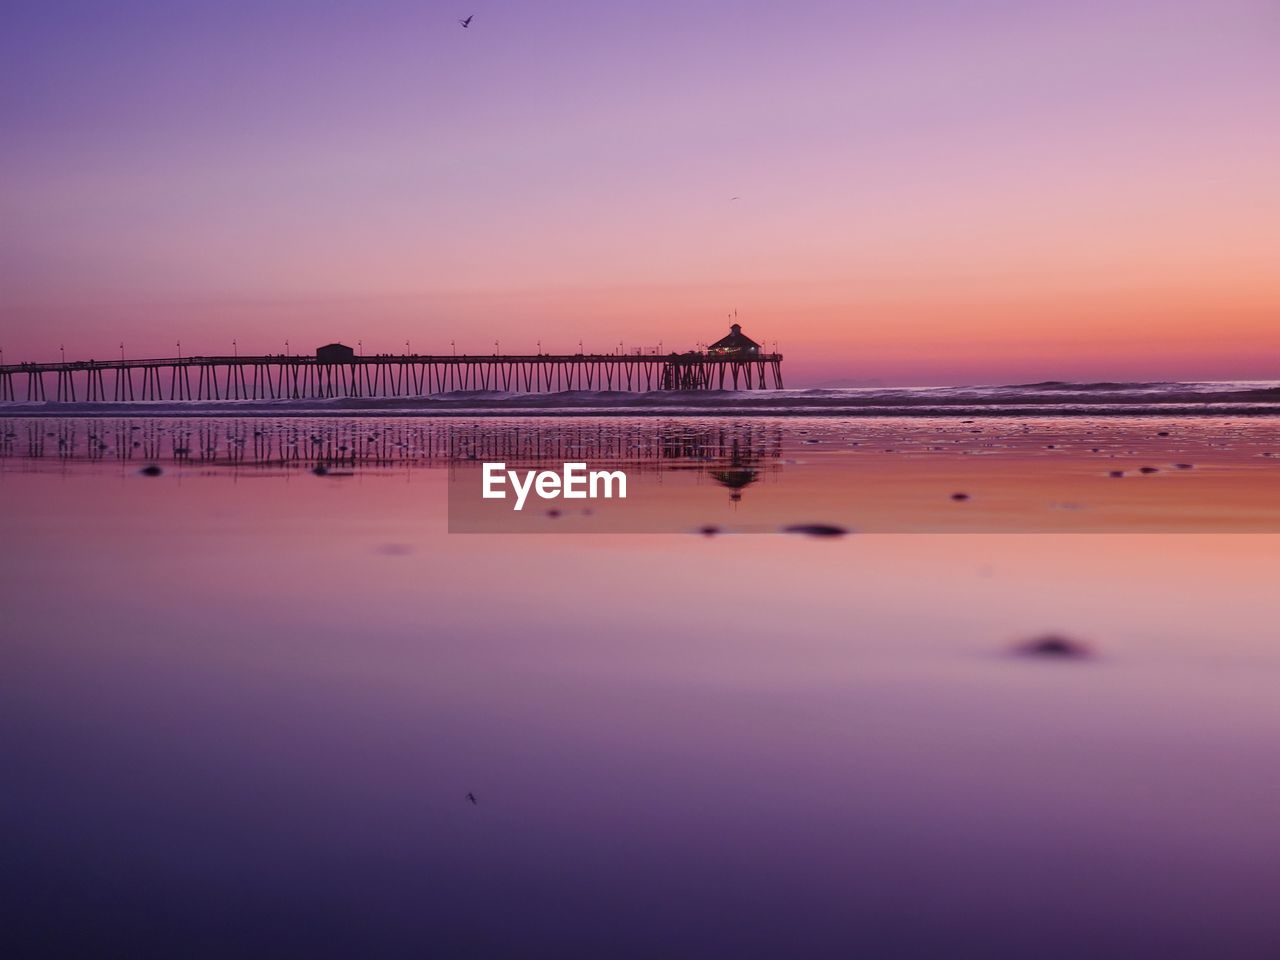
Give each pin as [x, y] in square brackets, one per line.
[467, 22]
[471, 796]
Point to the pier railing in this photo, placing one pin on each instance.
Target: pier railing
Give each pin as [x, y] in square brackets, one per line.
[277, 377]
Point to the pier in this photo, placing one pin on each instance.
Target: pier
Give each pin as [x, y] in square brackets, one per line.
[733, 363]
[304, 377]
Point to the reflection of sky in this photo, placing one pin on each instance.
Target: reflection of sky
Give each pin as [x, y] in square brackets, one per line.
[1079, 473]
[234, 715]
[929, 194]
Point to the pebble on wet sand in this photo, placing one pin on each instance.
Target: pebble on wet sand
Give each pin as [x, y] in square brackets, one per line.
[1055, 646]
[816, 529]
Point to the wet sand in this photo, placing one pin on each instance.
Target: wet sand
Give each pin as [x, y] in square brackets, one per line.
[747, 475]
[245, 705]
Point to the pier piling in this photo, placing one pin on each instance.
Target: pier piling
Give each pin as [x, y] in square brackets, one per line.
[387, 376]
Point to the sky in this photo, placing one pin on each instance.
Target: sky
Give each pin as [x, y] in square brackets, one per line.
[927, 193]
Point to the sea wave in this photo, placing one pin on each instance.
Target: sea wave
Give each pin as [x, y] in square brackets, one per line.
[1046, 398]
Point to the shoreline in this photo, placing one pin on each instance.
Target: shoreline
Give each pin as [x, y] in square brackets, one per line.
[441, 411]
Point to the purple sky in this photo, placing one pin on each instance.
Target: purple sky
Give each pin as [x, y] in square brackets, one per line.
[929, 192]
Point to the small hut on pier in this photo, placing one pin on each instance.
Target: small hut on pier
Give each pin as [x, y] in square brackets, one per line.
[335, 353]
[736, 344]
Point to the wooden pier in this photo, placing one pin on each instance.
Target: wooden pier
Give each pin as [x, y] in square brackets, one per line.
[282, 377]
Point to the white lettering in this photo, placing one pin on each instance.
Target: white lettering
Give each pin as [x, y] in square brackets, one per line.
[492, 476]
[548, 484]
[573, 483]
[609, 479]
[522, 491]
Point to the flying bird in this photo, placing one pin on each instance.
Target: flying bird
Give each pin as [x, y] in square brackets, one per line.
[735, 198]
[471, 797]
[467, 22]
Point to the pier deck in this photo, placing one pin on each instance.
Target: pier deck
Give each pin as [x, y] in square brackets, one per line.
[274, 377]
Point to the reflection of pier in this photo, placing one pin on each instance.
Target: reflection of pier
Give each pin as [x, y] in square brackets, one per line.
[313, 378]
[737, 475]
[339, 442]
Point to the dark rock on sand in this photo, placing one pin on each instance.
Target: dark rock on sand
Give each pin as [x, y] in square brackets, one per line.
[320, 470]
[710, 530]
[151, 470]
[1183, 466]
[959, 496]
[816, 529]
[1148, 469]
[1116, 473]
[1054, 646]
